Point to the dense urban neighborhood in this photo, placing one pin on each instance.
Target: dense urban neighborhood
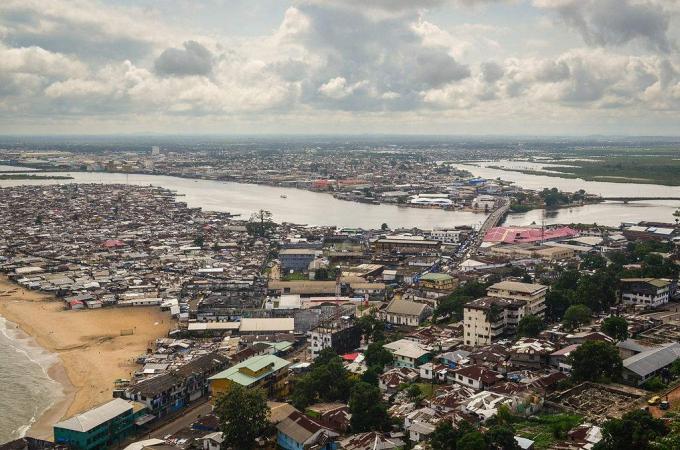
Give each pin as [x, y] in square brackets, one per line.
[315, 337]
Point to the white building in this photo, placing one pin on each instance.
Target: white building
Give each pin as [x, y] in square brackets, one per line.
[487, 318]
[531, 294]
[447, 235]
[646, 292]
[408, 353]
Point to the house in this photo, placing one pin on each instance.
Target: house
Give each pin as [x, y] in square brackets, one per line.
[434, 372]
[476, 377]
[268, 372]
[454, 358]
[421, 423]
[106, 425]
[404, 312]
[484, 405]
[645, 292]
[331, 415]
[408, 353]
[533, 295]
[531, 353]
[213, 441]
[560, 358]
[299, 432]
[393, 378]
[371, 440]
[641, 367]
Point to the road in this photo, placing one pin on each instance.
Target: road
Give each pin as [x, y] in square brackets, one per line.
[183, 421]
[490, 222]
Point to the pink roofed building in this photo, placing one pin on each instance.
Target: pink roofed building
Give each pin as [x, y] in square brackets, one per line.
[514, 235]
[113, 243]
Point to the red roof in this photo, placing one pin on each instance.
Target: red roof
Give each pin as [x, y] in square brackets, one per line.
[512, 235]
[350, 356]
[113, 243]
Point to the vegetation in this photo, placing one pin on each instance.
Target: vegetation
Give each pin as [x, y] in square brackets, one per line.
[243, 415]
[369, 412]
[616, 328]
[636, 430]
[530, 326]
[575, 316]
[546, 429]
[377, 357]
[595, 361]
[451, 307]
[260, 224]
[327, 381]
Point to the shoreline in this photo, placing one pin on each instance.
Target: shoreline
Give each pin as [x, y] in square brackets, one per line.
[91, 352]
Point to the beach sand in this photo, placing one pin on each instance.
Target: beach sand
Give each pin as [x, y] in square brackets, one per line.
[88, 342]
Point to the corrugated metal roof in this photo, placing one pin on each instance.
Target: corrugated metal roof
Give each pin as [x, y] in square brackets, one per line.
[652, 360]
[95, 417]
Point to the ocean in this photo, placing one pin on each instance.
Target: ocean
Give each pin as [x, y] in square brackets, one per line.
[26, 390]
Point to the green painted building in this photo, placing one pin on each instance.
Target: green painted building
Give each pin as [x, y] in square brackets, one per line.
[100, 427]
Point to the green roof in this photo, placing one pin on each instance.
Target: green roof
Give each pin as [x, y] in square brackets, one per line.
[255, 363]
[436, 277]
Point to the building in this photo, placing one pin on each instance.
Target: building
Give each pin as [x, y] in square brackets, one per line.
[100, 427]
[408, 353]
[476, 377]
[299, 432]
[342, 335]
[438, 281]
[268, 372]
[641, 367]
[448, 235]
[297, 259]
[488, 318]
[645, 292]
[404, 312]
[405, 245]
[531, 294]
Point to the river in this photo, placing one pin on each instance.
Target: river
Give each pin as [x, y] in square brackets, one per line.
[314, 208]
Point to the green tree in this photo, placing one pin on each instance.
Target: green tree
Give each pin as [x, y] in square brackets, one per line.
[501, 438]
[592, 261]
[199, 241]
[575, 316]
[414, 393]
[243, 415]
[597, 291]
[369, 412]
[616, 328]
[260, 223]
[444, 436]
[384, 227]
[377, 356]
[557, 301]
[327, 381]
[636, 430]
[472, 441]
[595, 361]
[530, 326]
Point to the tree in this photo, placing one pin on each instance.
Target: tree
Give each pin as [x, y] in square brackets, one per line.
[634, 431]
[575, 316]
[616, 328]
[243, 415]
[414, 393]
[598, 290]
[592, 261]
[384, 227]
[557, 301]
[471, 441]
[501, 438]
[371, 376]
[369, 412]
[327, 381]
[530, 326]
[444, 436]
[260, 223]
[199, 241]
[594, 361]
[377, 356]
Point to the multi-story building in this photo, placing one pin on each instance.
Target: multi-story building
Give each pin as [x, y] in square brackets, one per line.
[405, 245]
[101, 427]
[438, 281]
[448, 235]
[488, 318]
[297, 259]
[408, 353]
[404, 312]
[342, 335]
[647, 292]
[268, 372]
[531, 294]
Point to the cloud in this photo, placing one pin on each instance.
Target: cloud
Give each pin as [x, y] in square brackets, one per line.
[193, 59]
[615, 22]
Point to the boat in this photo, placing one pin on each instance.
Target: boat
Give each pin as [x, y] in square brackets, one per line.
[284, 196]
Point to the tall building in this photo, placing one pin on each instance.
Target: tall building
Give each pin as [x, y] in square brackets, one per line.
[488, 318]
[531, 294]
[342, 335]
[646, 292]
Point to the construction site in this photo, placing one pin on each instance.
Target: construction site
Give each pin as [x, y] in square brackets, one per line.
[597, 402]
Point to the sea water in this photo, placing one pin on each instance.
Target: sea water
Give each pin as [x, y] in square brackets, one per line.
[26, 390]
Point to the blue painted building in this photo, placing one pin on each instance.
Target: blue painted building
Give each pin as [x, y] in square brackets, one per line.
[299, 432]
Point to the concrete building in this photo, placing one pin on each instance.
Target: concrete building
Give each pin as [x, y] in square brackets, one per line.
[488, 318]
[533, 295]
[645, 292]
[405, 245]
[641, 367]
[438, 281]
[342, 335]
[404, 312]
[447, 235]
[268, 372]
[100, 427]
[408, 353]
[297, 259]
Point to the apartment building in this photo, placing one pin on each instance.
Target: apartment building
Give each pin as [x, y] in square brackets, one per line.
[533, 295]
[646, 292]
[488, 318]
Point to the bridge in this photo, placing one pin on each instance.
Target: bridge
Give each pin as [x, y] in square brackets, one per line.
[493, 220]
[637, 199]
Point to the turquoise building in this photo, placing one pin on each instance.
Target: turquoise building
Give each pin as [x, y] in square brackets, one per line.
[100, 427]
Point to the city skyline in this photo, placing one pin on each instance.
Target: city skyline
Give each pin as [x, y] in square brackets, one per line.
[458, 67]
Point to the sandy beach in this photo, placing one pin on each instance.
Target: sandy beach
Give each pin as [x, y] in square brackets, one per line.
[89, 344]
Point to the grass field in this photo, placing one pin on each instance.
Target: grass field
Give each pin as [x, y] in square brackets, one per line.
[545, 429]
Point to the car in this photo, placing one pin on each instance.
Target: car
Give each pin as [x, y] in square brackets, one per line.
[654, 400]
[664, 405]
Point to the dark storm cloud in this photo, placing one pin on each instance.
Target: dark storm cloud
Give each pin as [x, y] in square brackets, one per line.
[193, 59]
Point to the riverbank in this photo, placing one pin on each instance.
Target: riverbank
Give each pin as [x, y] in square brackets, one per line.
[91, 350]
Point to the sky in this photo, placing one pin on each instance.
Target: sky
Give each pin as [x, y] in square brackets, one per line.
[450, 67]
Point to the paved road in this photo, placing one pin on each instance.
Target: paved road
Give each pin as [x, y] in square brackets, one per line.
[490, 222]
[182, 422]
